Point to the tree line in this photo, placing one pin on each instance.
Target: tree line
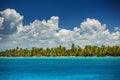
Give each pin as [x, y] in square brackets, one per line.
[88, 50]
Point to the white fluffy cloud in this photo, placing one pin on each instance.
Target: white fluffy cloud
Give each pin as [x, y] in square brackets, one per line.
[1, 22]
[117, 28]
[91, 26]
[9, 21]
[46, 33]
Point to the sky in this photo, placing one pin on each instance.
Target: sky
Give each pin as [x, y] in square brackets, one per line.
[50, 23]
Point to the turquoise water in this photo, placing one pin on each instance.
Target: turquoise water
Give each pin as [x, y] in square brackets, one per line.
[59, 68]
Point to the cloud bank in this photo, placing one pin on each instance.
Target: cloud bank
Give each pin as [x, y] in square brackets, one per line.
[47, 33]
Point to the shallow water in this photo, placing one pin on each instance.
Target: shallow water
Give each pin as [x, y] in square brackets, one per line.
[59, 68]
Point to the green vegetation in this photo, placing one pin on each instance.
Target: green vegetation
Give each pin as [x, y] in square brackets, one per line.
[62, 51]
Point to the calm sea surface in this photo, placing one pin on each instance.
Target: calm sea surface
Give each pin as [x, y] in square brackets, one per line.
[59, 68]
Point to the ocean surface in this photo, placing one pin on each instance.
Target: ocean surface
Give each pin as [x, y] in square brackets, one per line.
[60, 68]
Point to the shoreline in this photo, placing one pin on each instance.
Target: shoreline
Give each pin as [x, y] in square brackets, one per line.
[64, 57]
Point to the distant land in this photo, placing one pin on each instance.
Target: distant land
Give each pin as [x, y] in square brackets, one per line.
[60, 51]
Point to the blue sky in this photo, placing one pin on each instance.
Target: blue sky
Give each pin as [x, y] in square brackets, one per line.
[50, 23]
[71, 12]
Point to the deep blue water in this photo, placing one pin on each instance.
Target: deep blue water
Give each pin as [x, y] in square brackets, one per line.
[59, 68]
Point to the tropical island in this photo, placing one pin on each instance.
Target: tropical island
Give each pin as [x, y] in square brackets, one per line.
[76, 51]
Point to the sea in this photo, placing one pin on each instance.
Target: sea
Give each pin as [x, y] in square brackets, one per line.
[60, 68]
